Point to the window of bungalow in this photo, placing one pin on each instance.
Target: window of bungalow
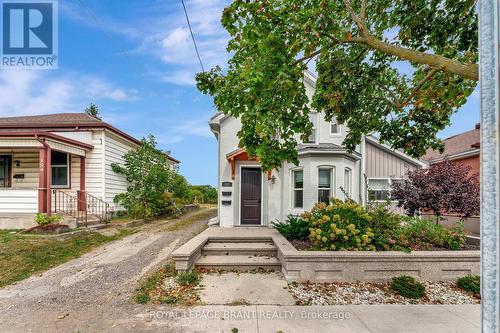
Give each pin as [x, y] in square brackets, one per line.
[59, 169]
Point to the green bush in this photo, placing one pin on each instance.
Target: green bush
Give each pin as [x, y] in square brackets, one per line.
[340, 226]
[386, 227]
[470, 283]
[407, 286]
[295, 228]
[44, 219]
[421, 234]
[188, 278]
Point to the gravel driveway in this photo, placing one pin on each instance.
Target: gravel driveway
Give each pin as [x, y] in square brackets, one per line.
[93, 293]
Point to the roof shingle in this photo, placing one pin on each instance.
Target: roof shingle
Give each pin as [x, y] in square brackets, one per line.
[460, 143]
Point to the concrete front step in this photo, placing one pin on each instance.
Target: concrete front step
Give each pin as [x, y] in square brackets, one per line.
[239, 262]
[245, 248]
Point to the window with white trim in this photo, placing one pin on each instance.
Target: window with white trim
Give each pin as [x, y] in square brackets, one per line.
[298, 188]
[324, 184]
[59, 169]
[379, 189]
[334, 126]
[313, 118]
[348, 181]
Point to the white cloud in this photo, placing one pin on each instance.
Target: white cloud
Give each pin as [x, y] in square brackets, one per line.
[180, 77]
[40, 92]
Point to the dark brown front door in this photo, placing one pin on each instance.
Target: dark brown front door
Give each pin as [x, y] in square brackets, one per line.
[251, 179]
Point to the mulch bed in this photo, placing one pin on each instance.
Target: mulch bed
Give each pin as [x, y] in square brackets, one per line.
[55, 228]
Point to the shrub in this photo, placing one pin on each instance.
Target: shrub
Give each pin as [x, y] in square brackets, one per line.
[294, 228]
[420, 234]
[44, 219]
[340, 226]
[386, 227]
[188, 278]
[470, 283]
[407, 286]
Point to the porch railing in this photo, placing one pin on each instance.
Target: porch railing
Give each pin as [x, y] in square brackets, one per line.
[80, 207]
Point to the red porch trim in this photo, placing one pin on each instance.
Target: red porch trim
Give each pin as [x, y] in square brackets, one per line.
[241, 155]
[82, 198]
[38, 134]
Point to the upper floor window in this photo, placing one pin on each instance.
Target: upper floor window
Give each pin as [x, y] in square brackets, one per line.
[379, 189]
[313, 118]
[324, 184]
[59, 169]
[348, 181]
[298, 188]
[334, 126]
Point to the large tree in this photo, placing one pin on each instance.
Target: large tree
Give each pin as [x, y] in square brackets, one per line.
[399, 68]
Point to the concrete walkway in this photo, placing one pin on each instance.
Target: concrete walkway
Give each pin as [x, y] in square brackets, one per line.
[317, 319]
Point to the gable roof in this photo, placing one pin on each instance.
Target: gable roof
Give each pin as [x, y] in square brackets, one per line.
[464, 143]
[61, 121]
[68, 121]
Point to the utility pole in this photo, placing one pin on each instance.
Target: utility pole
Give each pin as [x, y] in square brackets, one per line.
[490, 160]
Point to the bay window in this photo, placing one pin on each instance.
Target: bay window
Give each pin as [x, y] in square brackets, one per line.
[298, 188]
[348, 181]
[324, 184]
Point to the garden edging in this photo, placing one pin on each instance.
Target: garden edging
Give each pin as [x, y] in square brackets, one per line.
[332, 266]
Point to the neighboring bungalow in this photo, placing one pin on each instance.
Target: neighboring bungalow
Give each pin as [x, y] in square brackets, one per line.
[60, 163]
[461, 148]
[247, 197]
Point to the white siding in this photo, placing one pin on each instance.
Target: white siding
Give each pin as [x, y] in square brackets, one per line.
[18, 201]
[28, 166]
[115, 150]
[93, 166]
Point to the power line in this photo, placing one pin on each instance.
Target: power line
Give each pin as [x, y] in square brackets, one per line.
[192, 36]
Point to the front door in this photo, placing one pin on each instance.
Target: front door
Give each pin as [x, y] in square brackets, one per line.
[251, 191]
[4, 171]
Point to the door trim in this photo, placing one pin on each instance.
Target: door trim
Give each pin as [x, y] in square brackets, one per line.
[251, 166]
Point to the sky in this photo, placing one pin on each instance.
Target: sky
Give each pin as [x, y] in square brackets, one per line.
[135, 60]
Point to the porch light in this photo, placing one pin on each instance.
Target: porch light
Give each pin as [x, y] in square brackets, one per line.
[17, 163]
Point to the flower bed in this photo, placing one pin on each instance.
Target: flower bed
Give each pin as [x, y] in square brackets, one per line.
[348, 226]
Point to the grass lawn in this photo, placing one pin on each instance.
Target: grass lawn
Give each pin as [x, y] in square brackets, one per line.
[24, 255]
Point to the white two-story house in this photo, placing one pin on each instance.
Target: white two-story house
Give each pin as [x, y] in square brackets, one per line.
[247, 196]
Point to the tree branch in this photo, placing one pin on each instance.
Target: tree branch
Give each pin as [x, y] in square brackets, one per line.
[312, 55]
[419, 85]
[354, 17]
[468, 71]
[363, 12]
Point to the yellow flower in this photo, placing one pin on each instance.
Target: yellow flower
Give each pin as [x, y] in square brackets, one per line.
[326, 218]
[346, 237]
[324, 239]
[351, 226]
